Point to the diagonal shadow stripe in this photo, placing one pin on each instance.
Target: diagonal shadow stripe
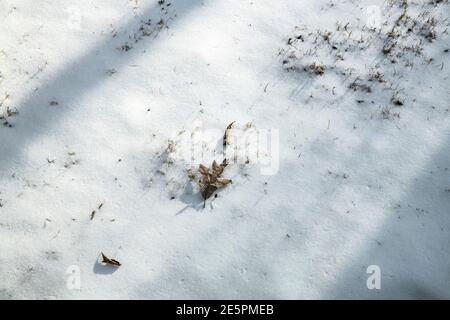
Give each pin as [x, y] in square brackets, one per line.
[76, 80]
[412, 243]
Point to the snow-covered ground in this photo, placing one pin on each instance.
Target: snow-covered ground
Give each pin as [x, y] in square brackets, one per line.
[99, 99]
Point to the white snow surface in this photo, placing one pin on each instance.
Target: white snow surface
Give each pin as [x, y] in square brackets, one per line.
[98, 97]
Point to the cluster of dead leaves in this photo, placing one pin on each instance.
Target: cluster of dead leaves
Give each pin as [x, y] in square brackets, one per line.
[211, 178]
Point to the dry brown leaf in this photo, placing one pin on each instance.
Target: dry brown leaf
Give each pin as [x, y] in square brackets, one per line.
[110, 262]
[220, 183]
[227, 133]
[217, 169]
[211, 179]
[224, 163]
[203, 170]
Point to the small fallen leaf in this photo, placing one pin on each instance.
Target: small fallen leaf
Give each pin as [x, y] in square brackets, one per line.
[109, 261]
[226, 136]
[211, 177]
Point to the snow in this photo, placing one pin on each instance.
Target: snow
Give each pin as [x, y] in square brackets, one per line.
[106, 106]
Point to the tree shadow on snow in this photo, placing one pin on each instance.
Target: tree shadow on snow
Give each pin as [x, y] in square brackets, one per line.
[411, 245]
[78, 78]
